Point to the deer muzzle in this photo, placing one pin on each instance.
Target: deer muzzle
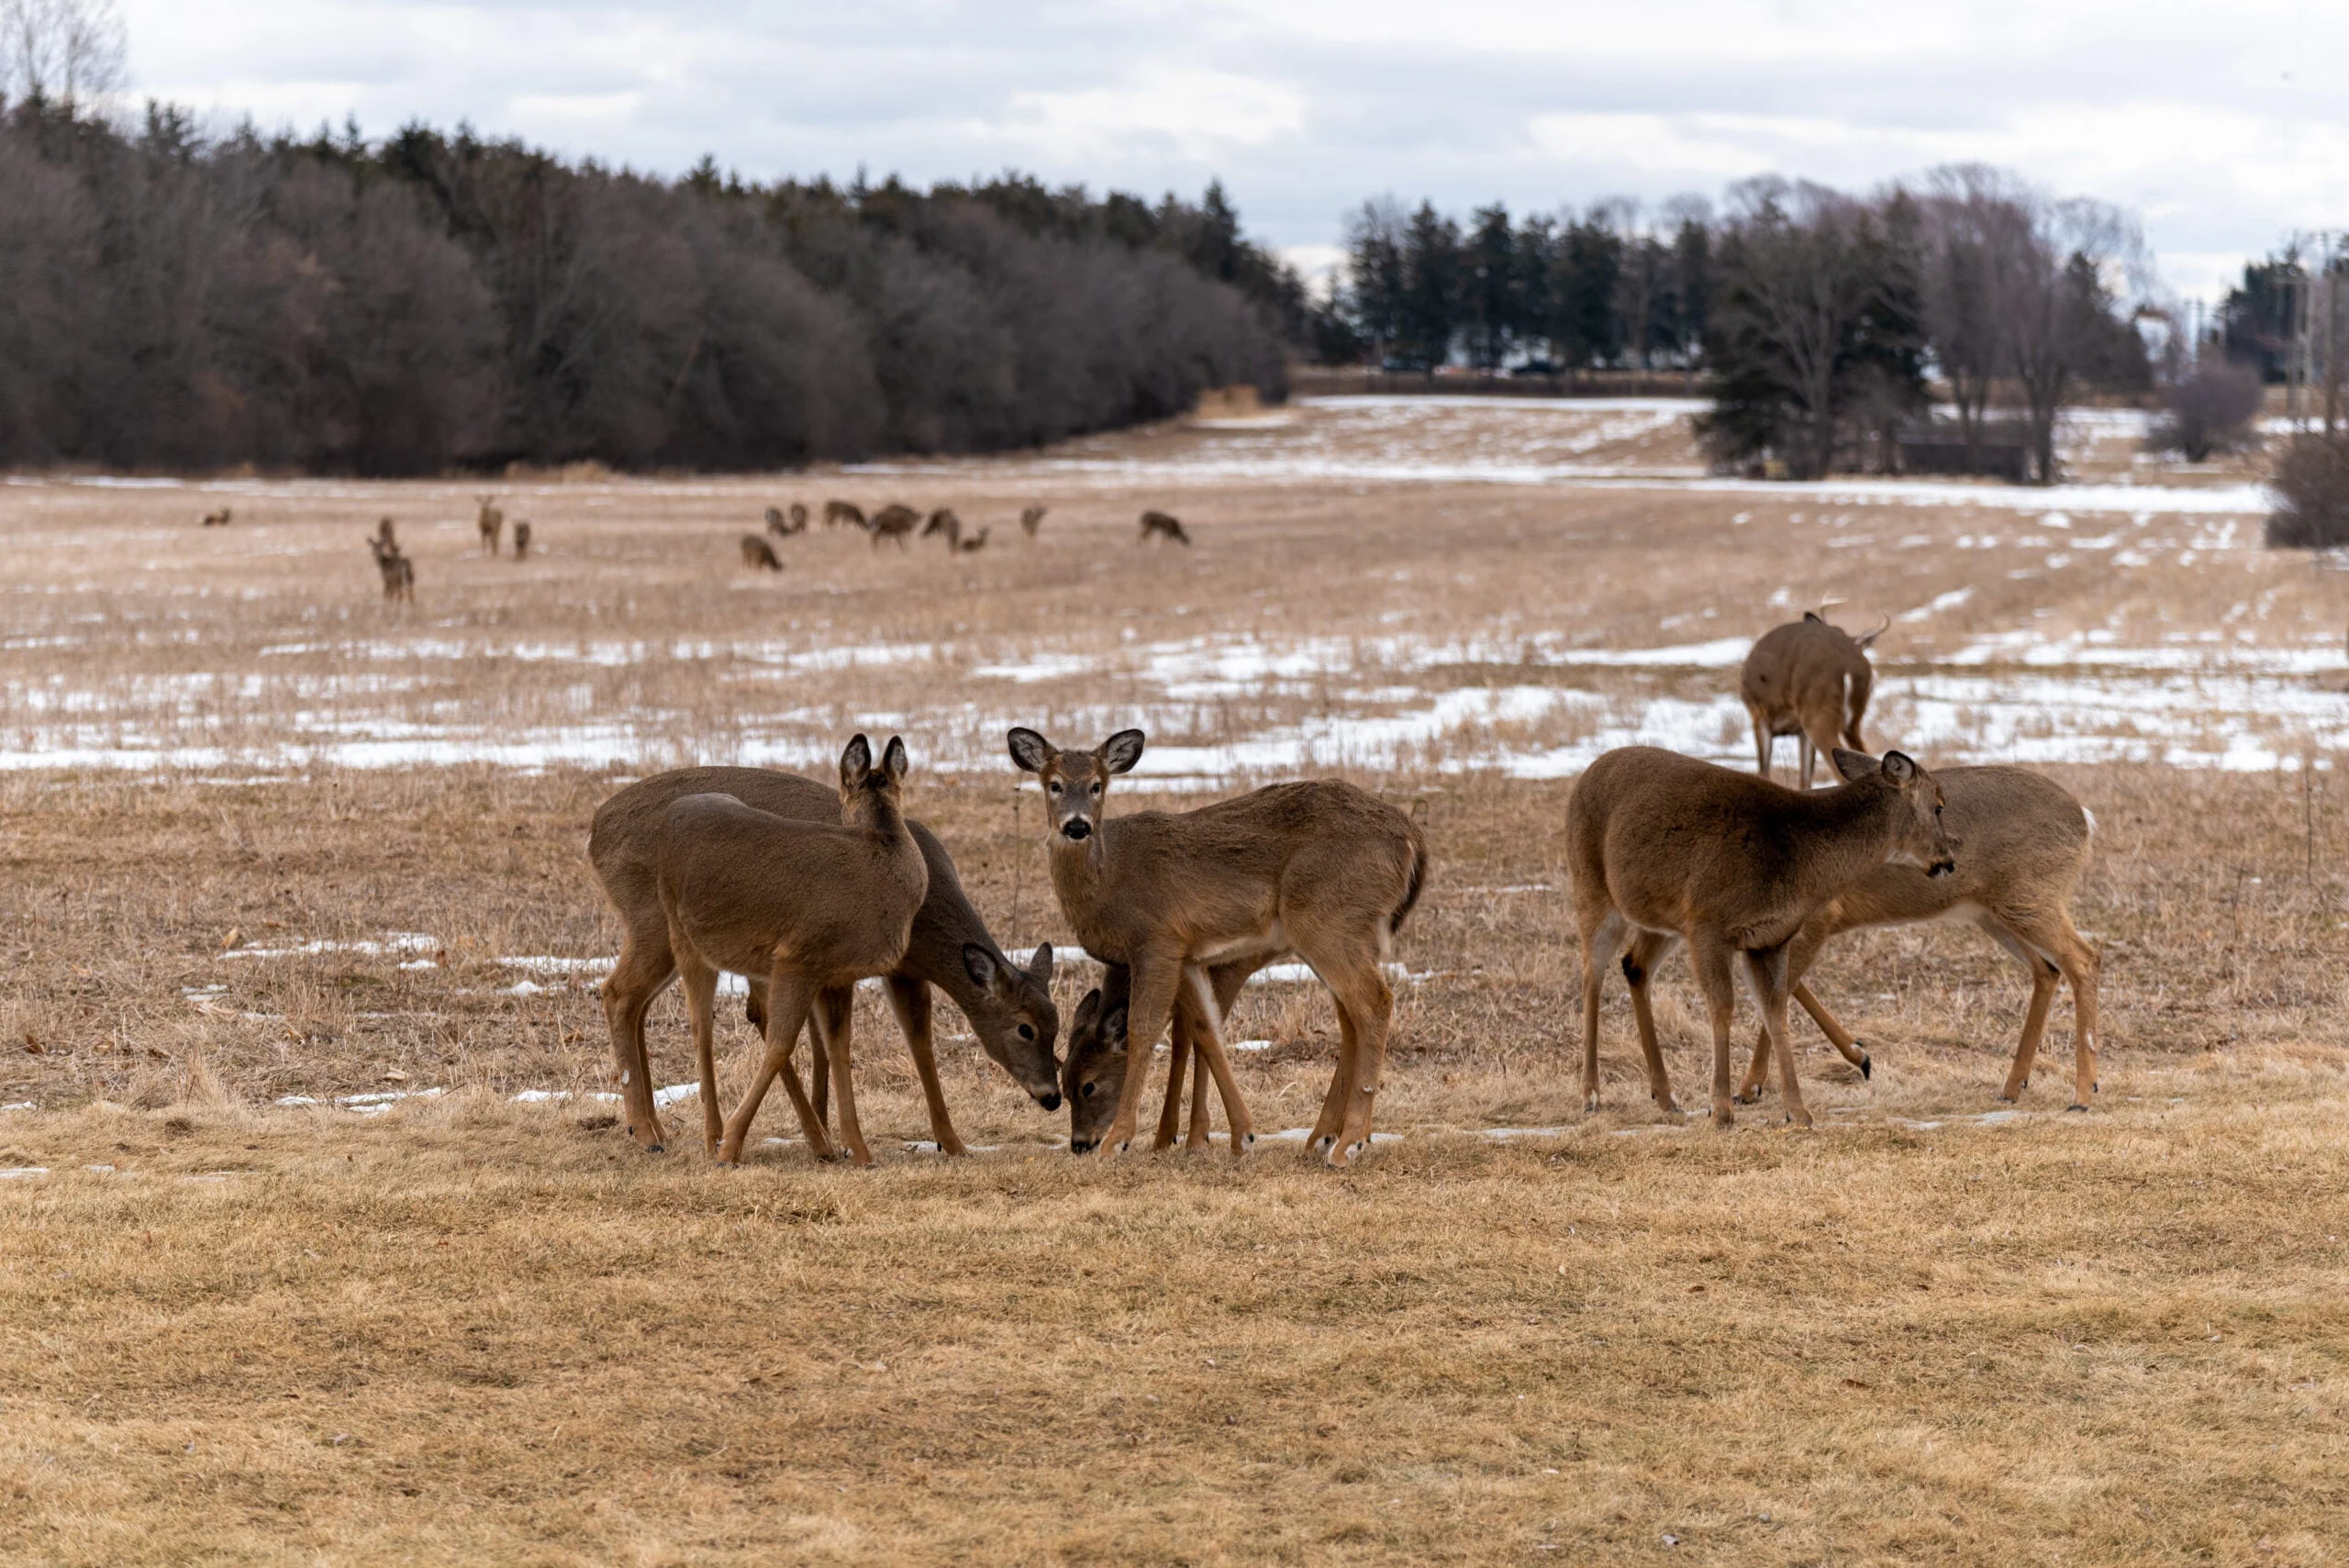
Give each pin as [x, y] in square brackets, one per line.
[1077, 828]
[1942, 866]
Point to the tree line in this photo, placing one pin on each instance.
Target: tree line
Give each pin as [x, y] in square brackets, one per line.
[1817, 316]
[433, 302]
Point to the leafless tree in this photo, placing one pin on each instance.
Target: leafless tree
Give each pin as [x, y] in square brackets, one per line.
[1801, 286]
[62, 52]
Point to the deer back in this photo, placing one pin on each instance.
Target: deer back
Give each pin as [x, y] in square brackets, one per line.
[1803, 663]
[2020, 841]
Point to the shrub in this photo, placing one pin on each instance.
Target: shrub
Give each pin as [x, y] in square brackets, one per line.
[2209, 411]
[2311, 486]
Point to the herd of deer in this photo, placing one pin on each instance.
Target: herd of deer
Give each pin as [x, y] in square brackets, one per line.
[898, 522]
[806, 889]
[399, 572]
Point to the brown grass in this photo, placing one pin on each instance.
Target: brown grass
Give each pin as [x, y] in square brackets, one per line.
[472, 1329]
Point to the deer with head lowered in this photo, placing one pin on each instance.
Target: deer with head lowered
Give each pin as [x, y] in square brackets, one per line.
[2022, 844]
[1097, 1054]
[1320, 869]
[1665, 848]
[944, 521]
[849, 512]
[1162, 525]
[1009, 1005]
[808, 906]
[759, 555]
[894, 521]
[1810, 680]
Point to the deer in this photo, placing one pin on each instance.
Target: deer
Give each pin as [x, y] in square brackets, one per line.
[849, 512]
[1009, 1005]
[1665, 849]
[219, 519]
[1810, 680]
[521, 538]
[944, 521]
[1159, 525]
[1031, 518]
[892, 522]
[384, 532]
[783, 527]
[398, 572]
[1097, 1054]
[491, 522]
[809, 906]
[975, 543]
[2025, 841]
[1320, 868]
[759, 555]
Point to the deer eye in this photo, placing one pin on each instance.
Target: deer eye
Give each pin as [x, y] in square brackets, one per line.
[1096, 788]
[1026, 1031]
[1087, 1091]
[1054, 787]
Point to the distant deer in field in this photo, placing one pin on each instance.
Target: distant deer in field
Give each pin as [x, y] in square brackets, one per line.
[491, 522]
[1811, 680]
[521, 538]
[219, 519]
[1159, 525]
[892, 522]
[758, 554]
[975, 543]
[1665, 849]
[1031, 518]
[1009, 1005]
[398, 572]
[838, 512]
[782, 528]
[944, 521]
[1322, 869]
[384, 532]
[808, 906]
[2024, 843]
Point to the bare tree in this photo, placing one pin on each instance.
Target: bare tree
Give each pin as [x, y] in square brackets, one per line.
[2057, 298]
[64, 51]
[1797, 293]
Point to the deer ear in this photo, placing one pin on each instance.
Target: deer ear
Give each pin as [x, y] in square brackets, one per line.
[893, 761]
[1086, 1012]
[856, 762]
[1814, 618]
[1121, 752]
[1030, 751]
[1113, 1028]
[1040, 965]
[1855, 765]
[979, 964]
[1900, 768]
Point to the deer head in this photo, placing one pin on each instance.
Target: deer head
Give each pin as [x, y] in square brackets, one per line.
[1075, 782]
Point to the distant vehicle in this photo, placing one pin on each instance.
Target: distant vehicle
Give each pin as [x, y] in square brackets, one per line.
[1534, 367]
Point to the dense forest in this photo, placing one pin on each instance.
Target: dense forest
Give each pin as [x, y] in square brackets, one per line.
[433, 302]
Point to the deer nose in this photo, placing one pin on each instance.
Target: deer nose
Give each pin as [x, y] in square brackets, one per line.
[1050, 1099]
[1941, 867]
[1082, 1145]
[1076, 827]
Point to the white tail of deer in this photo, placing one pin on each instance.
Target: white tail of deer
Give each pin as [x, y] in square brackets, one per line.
[1665, 849]
[1810, 680]
[1322, 869]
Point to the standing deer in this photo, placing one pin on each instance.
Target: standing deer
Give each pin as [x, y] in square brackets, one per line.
[1009, 1007]
[398, 572]
[491, 522]
[892, 522]
[849, 512]
[975, 543]
[809, 906]
[944, 521]
[759, 555]
[521, 538]
[783, 527]
[1665, 849]
[219, 519]
[1030, 519]
[1811, 680]
[1322, 869]
[2026, 845]
[384, 533]
[1159, 525]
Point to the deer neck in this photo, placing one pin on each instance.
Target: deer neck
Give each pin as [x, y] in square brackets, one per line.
[875, 813]
[1081, 878]
[1855, 830]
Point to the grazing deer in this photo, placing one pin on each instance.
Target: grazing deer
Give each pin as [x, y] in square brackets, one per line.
[521, 538]
[2026, 845]
[1031, 518]
[849, 512]
[758, 554]
[398, 572]
[944, 521]
[975, 543]
[1322, 869]
[895, 522]
[1811, 680]
[782, 528]
[1159, 525]
[491, 522]
[1009, 1007]
[809, 906]
[1665, 849]
[219, 519]
[1097, 1059]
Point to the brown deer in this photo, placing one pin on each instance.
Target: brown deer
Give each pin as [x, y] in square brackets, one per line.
[398, 572]
[975, 543]
[2025, 844]
[491, 522]
[808, 906]
[1031, 518]
[1322, 869]
[892, 522]
[521, 538]
[1810, 680]
[383, 531]
[944, 521]
[783, 527]
[759, 555]
[849, 512]
[219, 519]
[1665, 849]
[1159, 525]
[1009, 1007]
[1098, 1055]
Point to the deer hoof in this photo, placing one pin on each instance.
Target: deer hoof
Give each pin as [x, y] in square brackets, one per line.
[1867, 1065]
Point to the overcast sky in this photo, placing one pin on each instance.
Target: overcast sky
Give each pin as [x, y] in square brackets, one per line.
[2225, 128]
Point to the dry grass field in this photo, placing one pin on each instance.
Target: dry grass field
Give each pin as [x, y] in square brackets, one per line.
[315, 1245]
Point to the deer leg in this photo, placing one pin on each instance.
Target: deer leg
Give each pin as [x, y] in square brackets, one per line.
[1762, 741]
[1648, 949]
[1224, 984]
[1710, 957]
[1150, 1007]
[1766, 971]
[839, 1009]
[1207, 1038]
[2083, 968]
[1201, 1124]
[644, 967]
[1847, 1045]
[1601, 940]
[910, 999]
[2052, 947]
[1362, 992]
[1170, 1113]
[698, 981]
[788, 998]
